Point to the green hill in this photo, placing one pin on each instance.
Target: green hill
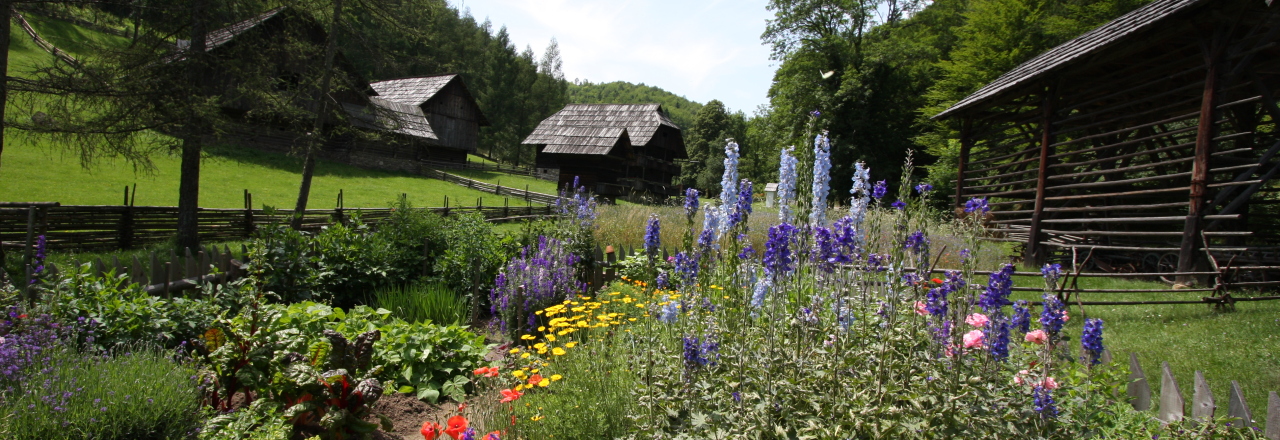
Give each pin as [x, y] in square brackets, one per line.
[680, 109]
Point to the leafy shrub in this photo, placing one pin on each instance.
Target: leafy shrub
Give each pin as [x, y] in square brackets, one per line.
[136, 394]
[260, 421]
[123, 313]
[423, 302]
[473, 255]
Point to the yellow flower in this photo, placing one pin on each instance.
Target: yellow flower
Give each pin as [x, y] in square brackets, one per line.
[544, 383]
[555, 377]
[540, 345]
[558, 351]
[542, 329]
[527, 337]
[519, 374]
[524, 356]
[542, 351]
[570, 344]
[631, 319]
[534, 371]
[613, 293]
[550, 337]
[519, 387]
[536, 418]
[514, 351]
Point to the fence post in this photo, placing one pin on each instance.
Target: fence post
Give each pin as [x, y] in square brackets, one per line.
[1171, 403]
[1273, 416]
[1236, 407]
[126, 222]
[1202, 407]
[31, 237]
[248, 214]
[1139, 390]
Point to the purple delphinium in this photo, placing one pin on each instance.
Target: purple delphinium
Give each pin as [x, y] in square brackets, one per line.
[821, 179]
[686, 268]
[924, 188]
[778, 259]
[690, 204]
[880, 189]
[668, 310]
[978, 205]
[742, 209]
[847, 239]
[898, 205]
[1091, 341]
[1052, 318]
[999, 286]
[760, 290]
[652, 238]
[662, 281]
[699, 353]
[1042, 400]
[824, 253]
[915, 241]
[546, 270]
[1021, 317]
[996, 335]
[37, 265]
[877, 262]
[747, 250]
[937, 299]
[470, 433]
[1051, 273]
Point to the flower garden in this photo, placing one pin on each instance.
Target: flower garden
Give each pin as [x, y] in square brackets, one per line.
[804, 322]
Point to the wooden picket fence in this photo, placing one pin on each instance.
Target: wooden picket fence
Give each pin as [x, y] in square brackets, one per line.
[111, 227]
[165, 274]
[607, 258]
[1203, 406]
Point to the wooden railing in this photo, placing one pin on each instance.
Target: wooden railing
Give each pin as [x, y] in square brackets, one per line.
[1204, 407]
[525, 194]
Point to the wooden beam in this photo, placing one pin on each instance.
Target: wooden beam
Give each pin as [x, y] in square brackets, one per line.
[1035, 253]
[966, 144]
[1204, 147]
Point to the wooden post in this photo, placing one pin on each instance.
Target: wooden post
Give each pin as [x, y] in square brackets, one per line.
[126, 222]
[30, 248]
[1202, 406]
[1036, 253]
[248, 214]
[1200, 167]
[1171, 403]
[1236, 407]
[966, 144]
[1139, 390]
[1273, 416]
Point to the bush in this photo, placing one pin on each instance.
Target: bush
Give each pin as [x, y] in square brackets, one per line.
[423, 302]
[137, 394]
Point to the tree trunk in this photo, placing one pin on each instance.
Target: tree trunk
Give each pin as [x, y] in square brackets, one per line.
[322, 107]
[7, 7]
[189, 181]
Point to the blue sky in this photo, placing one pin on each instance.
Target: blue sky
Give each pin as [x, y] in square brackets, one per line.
[700, 49]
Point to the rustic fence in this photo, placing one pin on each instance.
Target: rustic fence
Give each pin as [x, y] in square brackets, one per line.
[161, 274]
[1172, 406]
[111, 227]
[500, 190]
[469, 165]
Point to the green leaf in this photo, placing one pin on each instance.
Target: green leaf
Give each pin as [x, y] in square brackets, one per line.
[405, 389]
[429, 395]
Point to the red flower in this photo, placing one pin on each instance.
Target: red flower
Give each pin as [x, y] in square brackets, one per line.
[936, 281]
[457, 425]
[22, 316]
[534, 379]
[493, 372]
[430, 430]
[492, 436]
[509, 395]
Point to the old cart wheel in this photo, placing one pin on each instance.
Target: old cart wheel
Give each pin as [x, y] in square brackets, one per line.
[1168, 263]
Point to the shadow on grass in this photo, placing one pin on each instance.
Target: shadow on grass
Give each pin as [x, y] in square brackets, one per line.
[293, 164]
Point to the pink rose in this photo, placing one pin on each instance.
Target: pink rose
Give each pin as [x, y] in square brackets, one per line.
[1018, 378]
[1065, 317]
[977, 320]
[973, 339]
[1038, 337]
[921, 309]
[1049, 383]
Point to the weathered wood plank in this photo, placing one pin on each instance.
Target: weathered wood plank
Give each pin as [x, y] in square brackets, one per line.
[1139, 390]
[1202, 406]
[1171, 403]
[1238, 408]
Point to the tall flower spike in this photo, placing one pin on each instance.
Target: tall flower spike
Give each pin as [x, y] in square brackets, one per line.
[786, 183]
[1091, 341]
[690, 203]
[821, 179]
[729, 183]
[861, 192]
[652, 238]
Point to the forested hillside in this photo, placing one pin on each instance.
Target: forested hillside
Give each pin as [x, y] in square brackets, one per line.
[680, 109]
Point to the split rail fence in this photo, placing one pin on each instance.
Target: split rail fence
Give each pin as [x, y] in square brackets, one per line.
[468, 165]
[499, 190]
[110, 227]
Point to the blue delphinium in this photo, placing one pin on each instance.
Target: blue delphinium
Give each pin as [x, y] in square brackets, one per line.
[1042, 399]
[996, 335]
[711, 222]
[707, 242]
[652, 238]
[692, 355]
[821, 179]
[760, 290]
[1021, 317]
[1091, 340]
[668, 311]
[663, 280]
[748, 251]
[1052, 318]
[880, 189]
[848, 240]
[978, 205]
[999, 286]
[924, 188]
[778, 259]
[690, 203]
[825, 252]
[742, 210]
[898, 205]
[729, 182]
[37, 264]
[470, 433]
[918, 244]
[786, 183]
[877, 262]
[936, 300]
[686, 267]
[1051, 272]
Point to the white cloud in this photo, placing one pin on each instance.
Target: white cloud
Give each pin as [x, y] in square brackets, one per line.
[702, 51]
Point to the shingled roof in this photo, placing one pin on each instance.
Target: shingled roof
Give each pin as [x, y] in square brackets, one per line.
[413, 91]
[1112, 34]
[597, 125]
[221, 36]
[392, 116]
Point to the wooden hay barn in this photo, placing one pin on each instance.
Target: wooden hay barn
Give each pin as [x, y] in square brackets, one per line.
[411, 130]
[615, 150]
[1150, 141]
[452, 115]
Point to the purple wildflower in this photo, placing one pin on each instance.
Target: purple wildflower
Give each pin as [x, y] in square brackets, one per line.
[652, 238]
[999, 286]
[898, 205]
[1091, 340]
[778, 258]
[880, 189]
[978, 205]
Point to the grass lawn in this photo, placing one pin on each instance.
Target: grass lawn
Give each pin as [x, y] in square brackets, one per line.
[508, 180]
[1235, 345]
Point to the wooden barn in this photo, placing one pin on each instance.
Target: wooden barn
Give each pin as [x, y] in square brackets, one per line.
[1149, 142]
[451, 112]
[615, 150]
[412, 132]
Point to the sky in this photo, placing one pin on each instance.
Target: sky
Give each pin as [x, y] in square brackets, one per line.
[699, 49]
